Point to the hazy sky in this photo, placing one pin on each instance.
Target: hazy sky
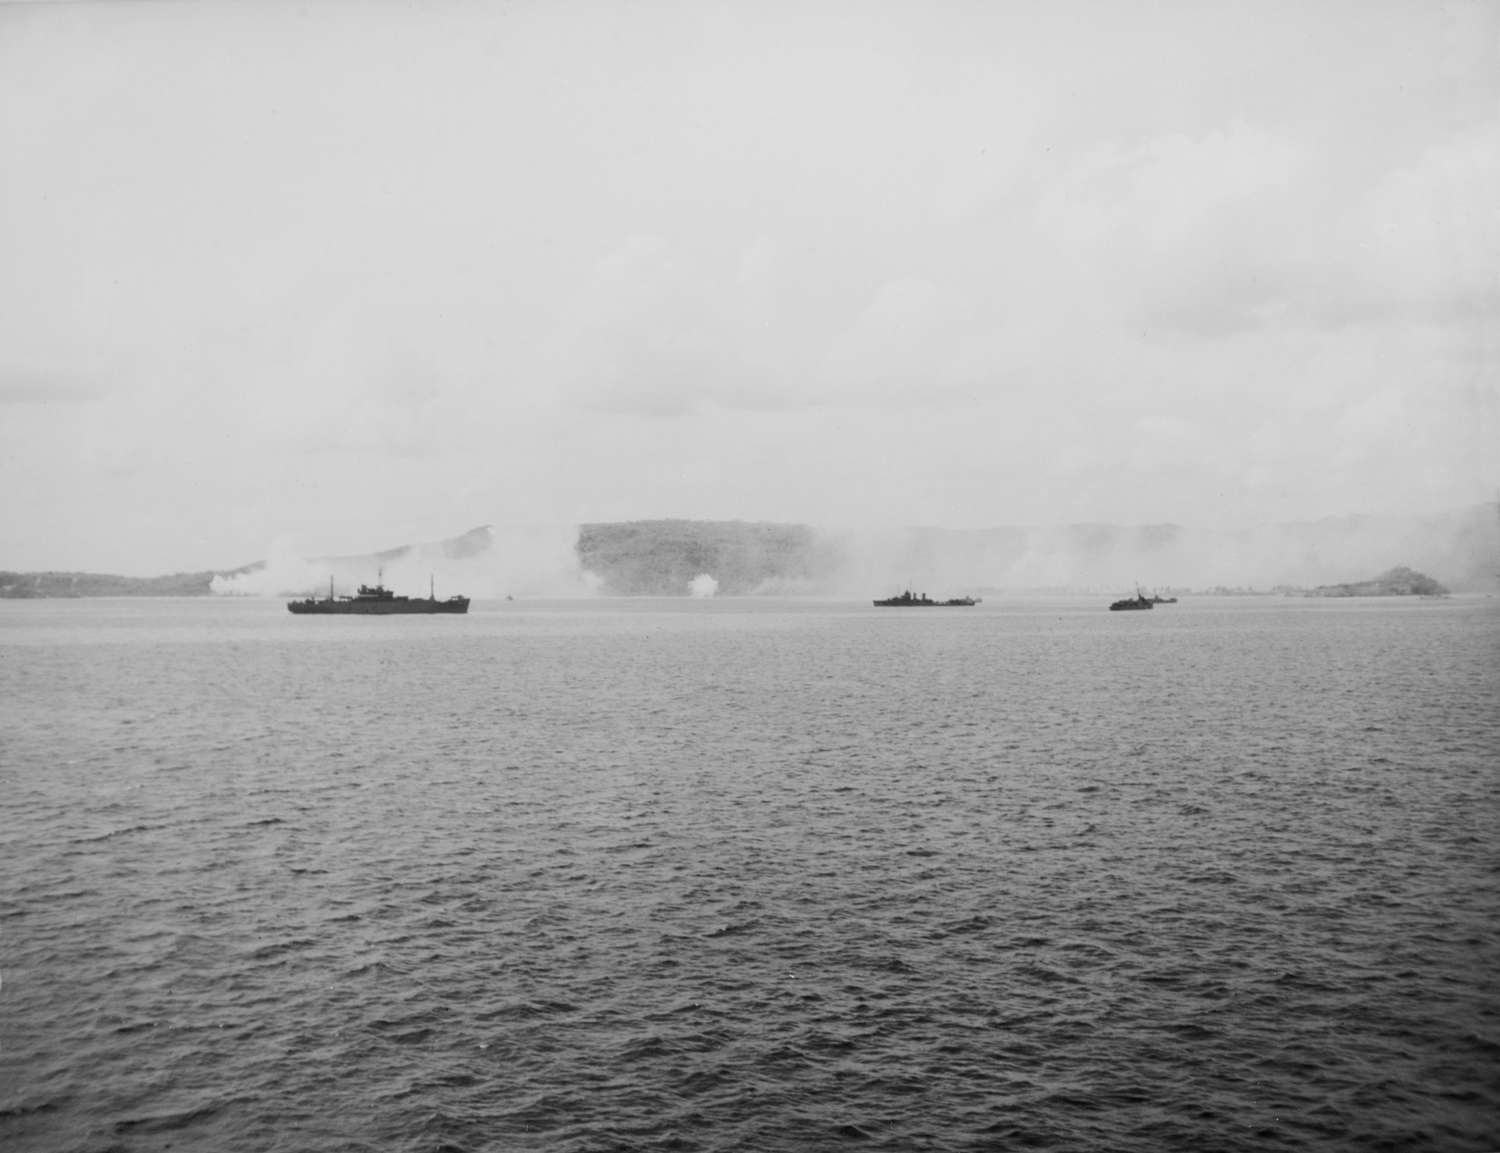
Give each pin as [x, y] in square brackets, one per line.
[350, 275]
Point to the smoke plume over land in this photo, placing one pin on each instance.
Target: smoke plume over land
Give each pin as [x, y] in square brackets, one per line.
[1463, 546]
[705, 558]
[488, 562]
[1461, 549]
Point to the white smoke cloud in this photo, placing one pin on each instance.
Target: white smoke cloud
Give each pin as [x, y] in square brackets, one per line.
[284, 571]
[1460, 549]
[516, 560]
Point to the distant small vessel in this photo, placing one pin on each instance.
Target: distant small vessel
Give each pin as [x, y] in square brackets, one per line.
[377, 600]
[921, 600]
[1139, 601]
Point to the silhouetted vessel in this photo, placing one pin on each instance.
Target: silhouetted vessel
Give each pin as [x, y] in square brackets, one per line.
[377, 600]
[909, 600]
[1139, 601]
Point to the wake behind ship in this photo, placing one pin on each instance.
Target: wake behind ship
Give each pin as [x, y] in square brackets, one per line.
[377, 600]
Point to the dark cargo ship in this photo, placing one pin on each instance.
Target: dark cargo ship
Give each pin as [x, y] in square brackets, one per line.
[377, 600]
[908, 600]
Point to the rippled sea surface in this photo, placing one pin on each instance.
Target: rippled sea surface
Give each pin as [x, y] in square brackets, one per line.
[751, 875]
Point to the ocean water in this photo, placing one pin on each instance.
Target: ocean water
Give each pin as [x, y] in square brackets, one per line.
[751, 875]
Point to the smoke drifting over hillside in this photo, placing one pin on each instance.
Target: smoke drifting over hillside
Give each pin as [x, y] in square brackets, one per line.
[1104, 556]
[487, 563]
[1461, 549]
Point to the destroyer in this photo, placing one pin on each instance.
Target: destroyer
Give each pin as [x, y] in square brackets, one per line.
[377, 600]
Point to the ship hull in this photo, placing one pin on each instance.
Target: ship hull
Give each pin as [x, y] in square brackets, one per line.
[385, 608]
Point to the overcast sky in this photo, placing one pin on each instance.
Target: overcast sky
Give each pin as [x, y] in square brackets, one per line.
[352, 275]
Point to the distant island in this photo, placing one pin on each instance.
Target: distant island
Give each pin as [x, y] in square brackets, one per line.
[1397, 582]
[683, 558]
[31, 585]
[28, 585]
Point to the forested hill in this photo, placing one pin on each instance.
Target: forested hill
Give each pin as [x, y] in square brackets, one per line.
[1460, 548]
[663, 557]
[16, 585]
[1397, 582]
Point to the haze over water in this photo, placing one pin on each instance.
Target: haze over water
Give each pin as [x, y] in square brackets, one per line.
[750, 875]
